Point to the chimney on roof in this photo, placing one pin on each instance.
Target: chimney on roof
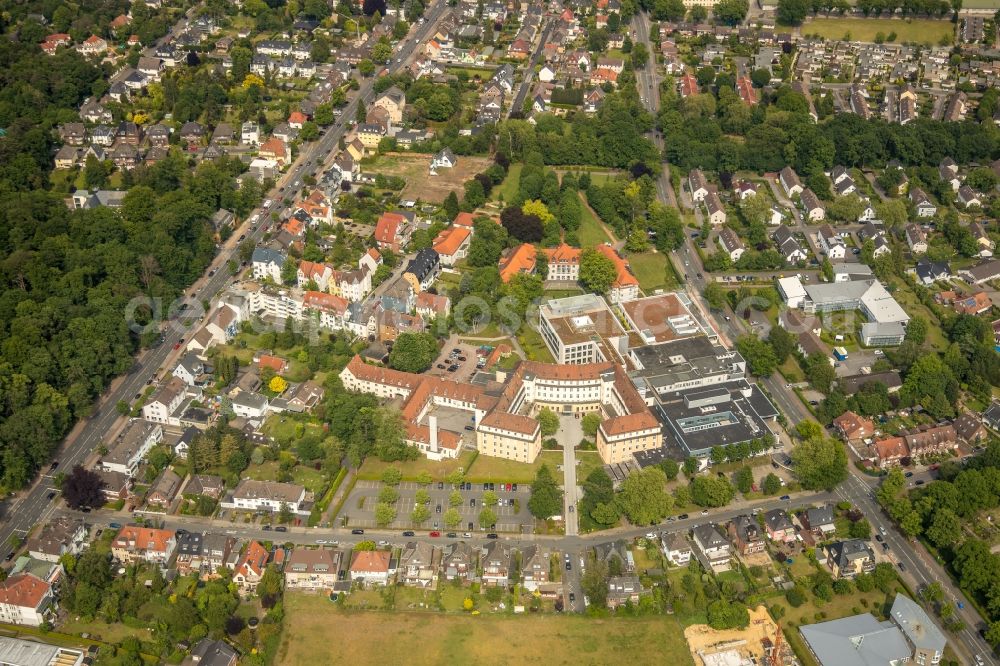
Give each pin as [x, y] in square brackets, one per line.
[433, 426]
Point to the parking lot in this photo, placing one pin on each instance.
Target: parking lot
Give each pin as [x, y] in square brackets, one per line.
[512, 511]
[450, 363]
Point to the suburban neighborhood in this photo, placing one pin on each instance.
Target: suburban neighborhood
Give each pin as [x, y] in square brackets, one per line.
[584, 331]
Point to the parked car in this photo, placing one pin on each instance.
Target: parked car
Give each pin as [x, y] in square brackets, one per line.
[408, 533]
[357, 531]
[492, 535]
[280, 528]
[435, 533]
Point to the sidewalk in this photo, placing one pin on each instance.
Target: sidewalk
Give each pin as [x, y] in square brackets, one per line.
[345, 487]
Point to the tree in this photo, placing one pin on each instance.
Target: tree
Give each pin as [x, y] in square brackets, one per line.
[771, 484]
[723, 614]
[744, 479]
[546, 497]
[421, 514]
[597, 272]
[594, 582]
[452, 518]
[549, 421]
[760, 77]
[782, 342]
[590, 423]
[522, 226]
[384, 514]
[711, 491]
[643, 498]
[391, 476]
[860, 529]
[451, 205]
[716, 296]
[487, 518]
[388, 495]
[83, 488]
[792, 12]
[455, 498]
[820, 462]
[670, 468]
[758, 354]
[731, 12]
[277, 384]
[284, 513]
[413, 352]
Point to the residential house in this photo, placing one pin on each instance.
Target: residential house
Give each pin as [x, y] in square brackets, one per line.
[983, 240]
[968, 197]
[625, 286]
[623, 590]
[131, 446]
[392, 231]
[419, 563]
[716, 211]
[677, 548]
[277, 150]
[25, 599]
[394, 102]
[854, 428]
[789, 246]
[61, 536]
[134, 543]
[790, 182]
[812, 206]
[616, 555]
[164, 490]
[520, 261]
[731, 243]
[314, 272]
[930, 439]
[563, 263]
[371, 567]
[712, 547]
[819, 521]
[746, 535]
[422, 270]
[209, 652]
[251, 566]
[916, 239]
[890, 451]
[204, 485]
[779, 526]
[847, 559]
[458, 562]
[452, 244]
[922, 204]
[190, 369]
[445, 159]
[267, 263]
[969, 429]
[698, 185]
[495, 561]
[312, 569]
[430, 305]
[831, 242]
[253, 495]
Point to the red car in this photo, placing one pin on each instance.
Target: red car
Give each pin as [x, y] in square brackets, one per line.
[177, 345]
[435, 534]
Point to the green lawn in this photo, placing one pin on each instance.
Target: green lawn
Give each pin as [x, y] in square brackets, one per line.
[101, 631]
[587, 462]
[507, 190]
[651, 270]
[311, 479]
[534, 346]
[924, 31]
[318, 632]
[591, 231]
[282, 428]
[488, 468]
[913, 307]
[562, 293]
[372, 468]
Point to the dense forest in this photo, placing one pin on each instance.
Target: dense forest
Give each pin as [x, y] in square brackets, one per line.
[68, 276]
[716, 131]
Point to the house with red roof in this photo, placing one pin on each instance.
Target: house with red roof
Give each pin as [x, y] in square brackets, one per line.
[251, 566]
[744, 86]
[25, 599]
[93, 45]
[134, 543]
[521, 261]
[315, 272]
[296, 119]
[689, 85]
[463, 219]
[392, 231]
[371, 567]
[452, 244]
[277, 150]
[275, 363]
[432, 305]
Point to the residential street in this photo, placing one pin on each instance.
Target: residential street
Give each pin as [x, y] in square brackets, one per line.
[18, 515]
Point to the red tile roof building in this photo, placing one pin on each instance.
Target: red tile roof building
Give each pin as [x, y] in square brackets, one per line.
[134, 543]
[626, 286]
[520, 261]
[24, 599]
[392, 231]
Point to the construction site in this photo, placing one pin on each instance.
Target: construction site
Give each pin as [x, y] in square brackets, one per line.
[760, 644]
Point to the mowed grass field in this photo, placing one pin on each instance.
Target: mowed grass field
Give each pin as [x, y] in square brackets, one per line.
[318, 632]
[651, 270]
[921, 31]
[415, 169]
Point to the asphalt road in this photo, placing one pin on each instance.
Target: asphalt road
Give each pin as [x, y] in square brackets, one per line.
[529, 71]
[18, 515]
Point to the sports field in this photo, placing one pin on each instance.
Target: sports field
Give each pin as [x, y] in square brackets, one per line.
[921, 31]
[317, 631]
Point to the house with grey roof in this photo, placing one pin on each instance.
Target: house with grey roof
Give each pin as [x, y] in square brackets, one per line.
[849, 558]
[819, 520]
[711, 548]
